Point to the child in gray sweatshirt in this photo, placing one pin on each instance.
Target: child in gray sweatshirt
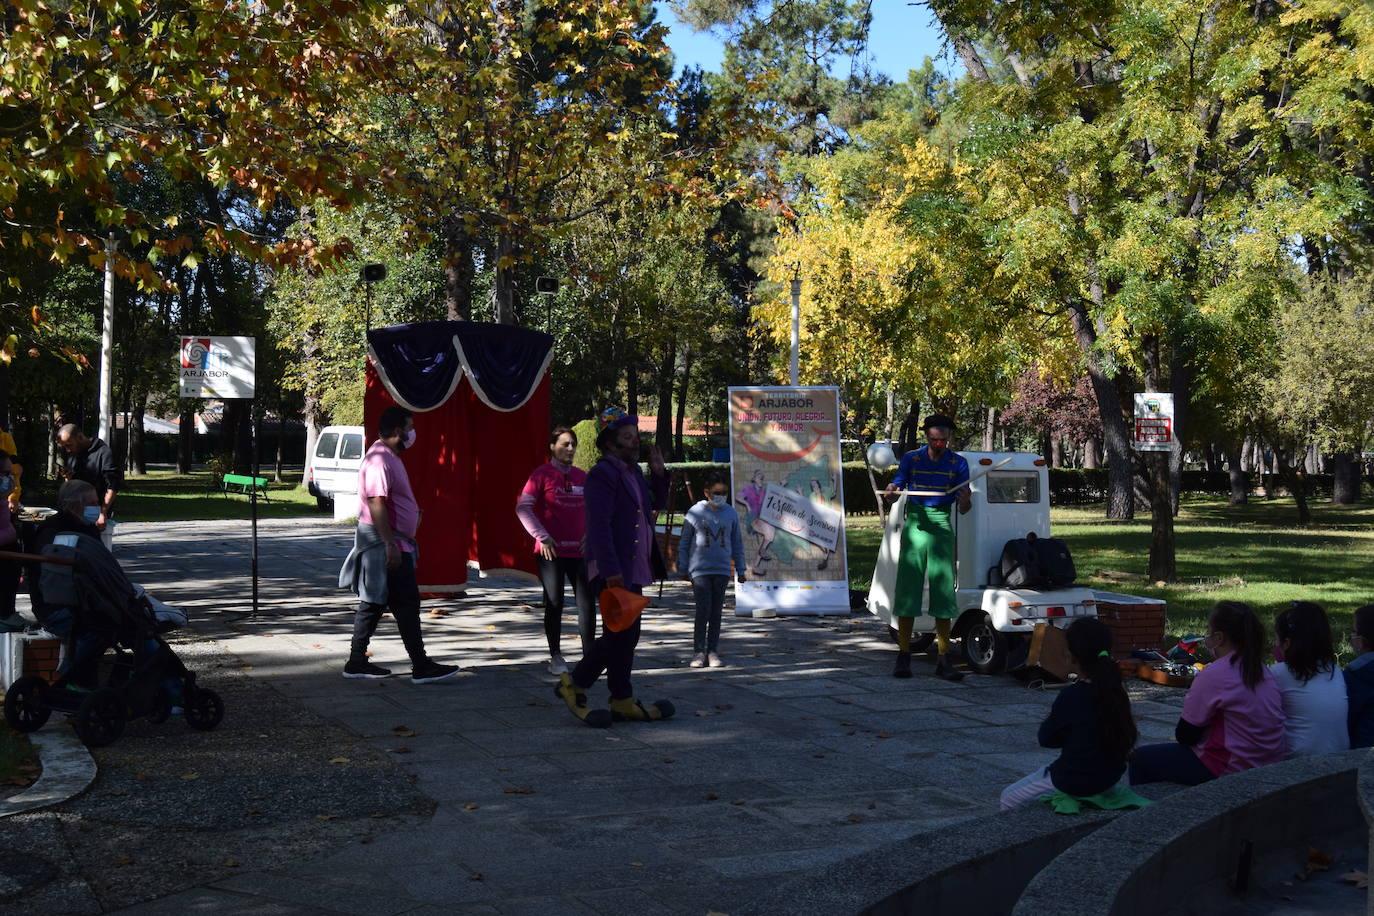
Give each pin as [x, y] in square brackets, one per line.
[710, 540]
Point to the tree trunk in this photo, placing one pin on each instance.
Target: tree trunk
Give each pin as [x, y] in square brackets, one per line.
[990, 431]
[911, 428]
[1120, 466]
[631, 387]
[682, 402]
[1162, 567]
[1240, 481]
[1345, 479]
[506, 279]
[1056, 452]
[186, 431]
[1296, 484]
[138, 458]
[1092, 456]
[458, 271]
[1182, 380]
[281, 437]
[663, 425]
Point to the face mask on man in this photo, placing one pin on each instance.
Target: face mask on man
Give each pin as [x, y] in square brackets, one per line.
[408, 440]
[718, 501]
[90, 514]
[6, 484]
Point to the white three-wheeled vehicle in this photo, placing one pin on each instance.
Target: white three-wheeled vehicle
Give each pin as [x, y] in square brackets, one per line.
[1010, 500]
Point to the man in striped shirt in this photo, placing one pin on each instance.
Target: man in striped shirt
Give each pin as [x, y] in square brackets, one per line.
[937, 478]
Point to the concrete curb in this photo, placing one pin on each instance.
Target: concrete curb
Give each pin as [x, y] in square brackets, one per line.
[68, 769]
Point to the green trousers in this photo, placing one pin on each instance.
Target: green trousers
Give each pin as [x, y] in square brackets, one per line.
[927, 551]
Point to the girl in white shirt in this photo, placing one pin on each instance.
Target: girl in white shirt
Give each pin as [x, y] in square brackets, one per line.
[1314, 700]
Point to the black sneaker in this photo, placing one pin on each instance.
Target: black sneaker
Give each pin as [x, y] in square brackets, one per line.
[432, 671]
[365, 669]
[903, 666]
[947, 671]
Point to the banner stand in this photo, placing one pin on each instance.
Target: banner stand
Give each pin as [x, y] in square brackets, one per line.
[788, 488]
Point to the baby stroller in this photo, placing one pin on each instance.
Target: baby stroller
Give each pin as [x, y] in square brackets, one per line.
[87, 599]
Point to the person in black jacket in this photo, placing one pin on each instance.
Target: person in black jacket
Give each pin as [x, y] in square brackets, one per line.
[1090, 722]
[93, 461]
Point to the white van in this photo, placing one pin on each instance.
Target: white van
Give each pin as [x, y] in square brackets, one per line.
[334, 466]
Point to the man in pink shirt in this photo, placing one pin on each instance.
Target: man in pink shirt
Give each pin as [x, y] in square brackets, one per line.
[381, 567]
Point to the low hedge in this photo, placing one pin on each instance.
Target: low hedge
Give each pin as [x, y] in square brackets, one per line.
[1068, 486]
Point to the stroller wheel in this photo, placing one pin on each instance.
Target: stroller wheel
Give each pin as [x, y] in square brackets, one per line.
[100, 720]
[204, 709]
[25, 710]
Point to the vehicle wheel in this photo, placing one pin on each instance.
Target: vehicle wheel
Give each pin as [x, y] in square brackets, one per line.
[324, 503]
[985, 647]
[920, 642]
[100, 720]
[25, 709]
[204, 709]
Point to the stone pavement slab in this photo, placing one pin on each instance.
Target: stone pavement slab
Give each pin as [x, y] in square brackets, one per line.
[802, 752]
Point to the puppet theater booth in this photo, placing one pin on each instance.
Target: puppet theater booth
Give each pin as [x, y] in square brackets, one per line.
[480, 396]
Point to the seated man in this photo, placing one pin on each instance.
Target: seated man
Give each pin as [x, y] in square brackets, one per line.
[96, 627]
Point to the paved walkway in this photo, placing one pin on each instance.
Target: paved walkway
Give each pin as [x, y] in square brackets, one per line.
[802, 752]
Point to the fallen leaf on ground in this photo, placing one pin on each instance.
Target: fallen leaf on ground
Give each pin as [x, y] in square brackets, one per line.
[636, 864]
[725, 706]
[121, 860]
[190, 775]
[470, 807]
[883, 735]
[378, 814]
[340, 760]
[400, 750]
[1356, 877]
[230, 863]
[476, 876]
[400, 728]
[518, 790]
[855, 818]
[406, 734]
[707, 712]
[326, 817]
[711, 796]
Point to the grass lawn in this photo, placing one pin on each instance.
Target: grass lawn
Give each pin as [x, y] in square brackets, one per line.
[18, 758]
[168, 496]
[1255, 553]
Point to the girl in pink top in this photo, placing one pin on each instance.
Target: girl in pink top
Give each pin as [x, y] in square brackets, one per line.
[551, 507]
[1233, 714]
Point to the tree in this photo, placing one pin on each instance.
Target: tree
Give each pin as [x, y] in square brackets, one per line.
[1145, 167]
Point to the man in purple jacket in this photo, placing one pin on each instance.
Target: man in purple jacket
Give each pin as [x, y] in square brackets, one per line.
[621, 552]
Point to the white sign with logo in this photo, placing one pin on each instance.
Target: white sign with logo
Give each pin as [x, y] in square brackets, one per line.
[1154, 421]
[796, 514]
[218, 367]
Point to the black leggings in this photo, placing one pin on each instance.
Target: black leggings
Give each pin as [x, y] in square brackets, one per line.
[553, 575]
[613, 653]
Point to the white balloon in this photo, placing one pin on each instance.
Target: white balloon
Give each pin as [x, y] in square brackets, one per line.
[880, 455]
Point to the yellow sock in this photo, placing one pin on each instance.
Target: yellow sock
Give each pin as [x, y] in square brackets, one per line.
[904, 625]
[942, 635]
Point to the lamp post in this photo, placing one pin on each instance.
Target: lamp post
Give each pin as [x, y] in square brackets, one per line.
[105, 429]
[796, 323]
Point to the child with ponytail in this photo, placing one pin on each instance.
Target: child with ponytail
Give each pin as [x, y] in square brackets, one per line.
[1314, 703]
[1090, 722]
[1233, 714]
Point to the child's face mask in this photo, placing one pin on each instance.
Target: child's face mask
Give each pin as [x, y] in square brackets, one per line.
[718, 500]
[90, 515]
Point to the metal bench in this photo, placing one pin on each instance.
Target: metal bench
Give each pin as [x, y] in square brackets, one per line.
[239, 483]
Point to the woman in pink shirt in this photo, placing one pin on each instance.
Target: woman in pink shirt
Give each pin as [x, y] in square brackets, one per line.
[1233, 714]
[551, 508]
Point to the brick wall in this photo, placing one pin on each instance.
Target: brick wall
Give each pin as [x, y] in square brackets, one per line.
[1133, 626]
[41, 657]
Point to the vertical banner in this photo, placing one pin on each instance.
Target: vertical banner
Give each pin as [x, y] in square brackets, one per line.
[788, 489]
